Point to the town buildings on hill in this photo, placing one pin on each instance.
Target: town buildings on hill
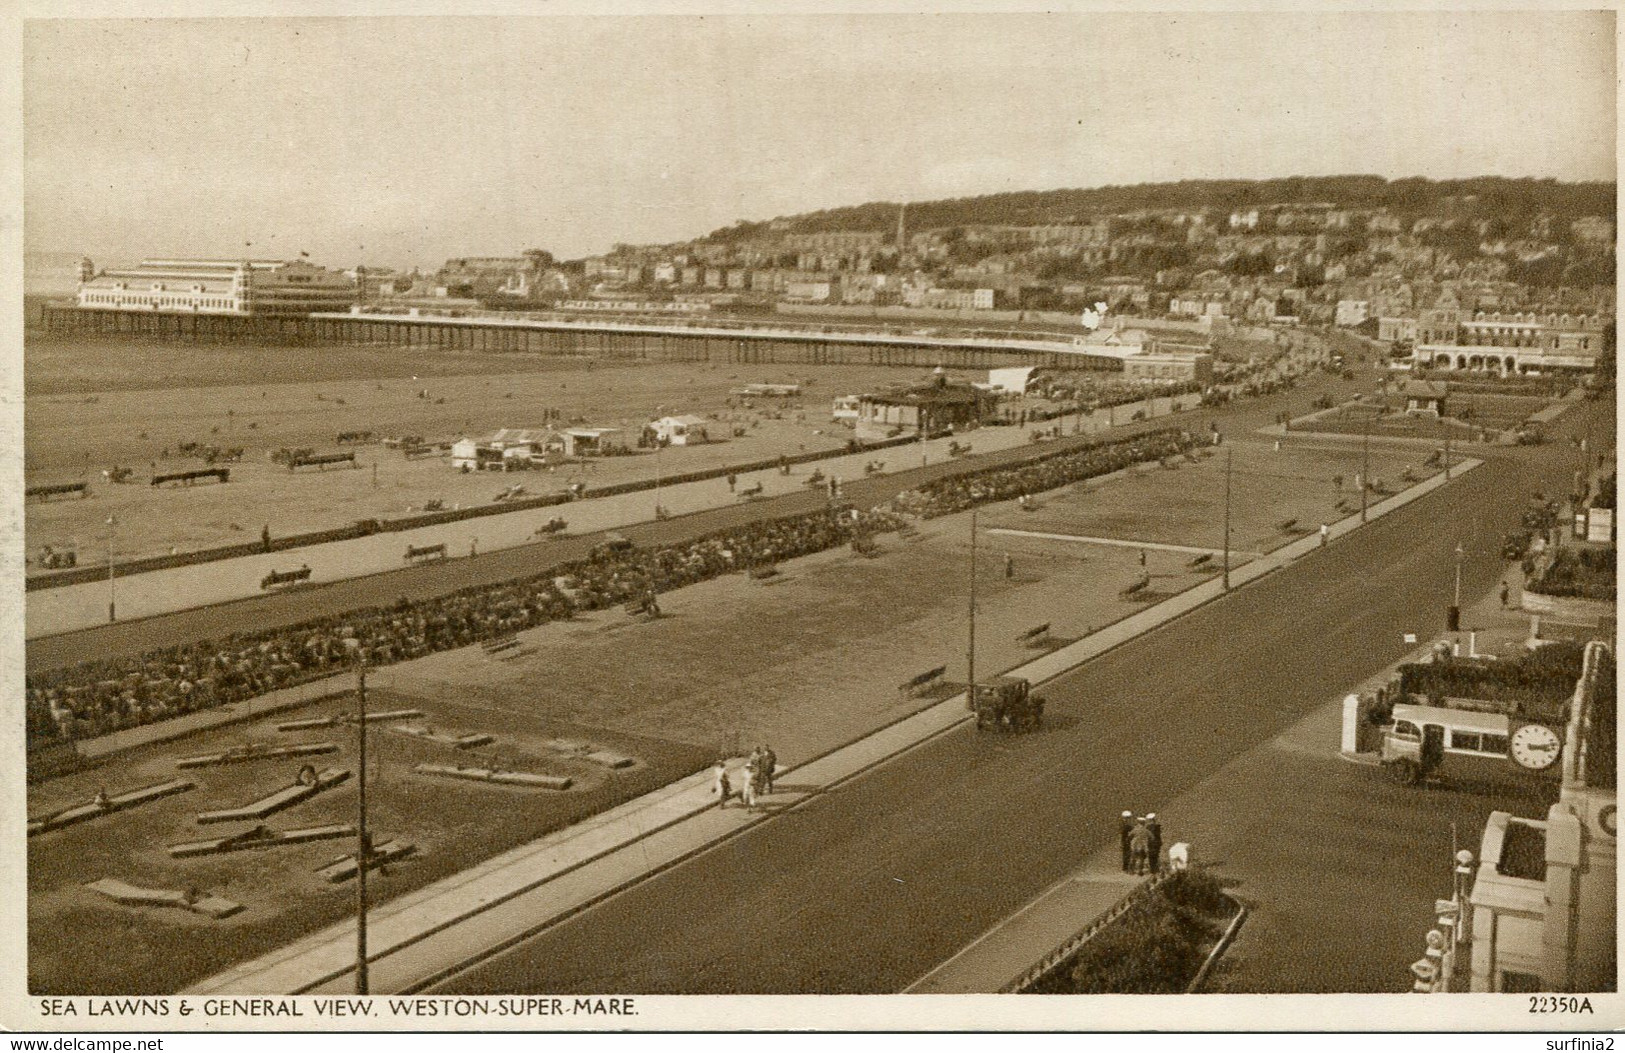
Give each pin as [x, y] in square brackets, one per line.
[1452, 285]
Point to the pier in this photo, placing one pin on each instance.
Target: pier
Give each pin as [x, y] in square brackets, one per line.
[725, 341]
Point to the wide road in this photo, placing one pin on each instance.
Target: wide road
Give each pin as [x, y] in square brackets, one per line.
[124, 638]
[866, 889]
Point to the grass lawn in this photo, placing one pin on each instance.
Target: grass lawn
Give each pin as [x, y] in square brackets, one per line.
[804, 662]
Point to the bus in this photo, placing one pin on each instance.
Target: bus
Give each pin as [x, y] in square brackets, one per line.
[1422, 742]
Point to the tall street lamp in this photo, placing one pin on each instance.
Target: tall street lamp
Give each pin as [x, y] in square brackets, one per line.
[112, 605]
[363, 842]
[659, 445]
[1228, 456]
[971, 646]
[1453, 620]
[1365, 468]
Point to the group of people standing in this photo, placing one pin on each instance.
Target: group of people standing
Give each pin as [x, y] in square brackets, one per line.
[1142, 843]
[760, 768]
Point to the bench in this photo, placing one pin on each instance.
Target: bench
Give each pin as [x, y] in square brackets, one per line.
[409, 452]
[321, 460]
[1288, 526]
[1035, 636]
[914, 685]
[284, 577]
[750, 491]
[50, 490]
[189, 477]
[1200, 561]
[426, 551]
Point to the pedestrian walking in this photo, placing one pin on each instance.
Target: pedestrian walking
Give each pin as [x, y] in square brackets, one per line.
[473, 548]
[1506, 593]
[1009, 566]
[770, 767]
[733, 481]
[265, 536]
[719, 784]
[747, 787]
[1142, 557]
[1325, 534]
[1154, 829]
[1125, 824]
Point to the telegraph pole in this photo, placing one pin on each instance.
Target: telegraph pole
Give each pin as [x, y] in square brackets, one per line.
[1365, 468]
[112, 606]
[1228, 458]
[970, 688]
[363, 849]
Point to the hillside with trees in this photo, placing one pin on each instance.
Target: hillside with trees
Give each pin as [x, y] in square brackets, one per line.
[1489, 197]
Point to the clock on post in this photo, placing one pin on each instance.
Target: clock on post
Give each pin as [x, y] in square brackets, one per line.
[1535, 747]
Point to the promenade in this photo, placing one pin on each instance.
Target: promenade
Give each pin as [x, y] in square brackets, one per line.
[68, 608]
[427, 937]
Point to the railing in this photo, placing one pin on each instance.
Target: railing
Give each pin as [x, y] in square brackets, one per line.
[993, 339]
[1058, 957]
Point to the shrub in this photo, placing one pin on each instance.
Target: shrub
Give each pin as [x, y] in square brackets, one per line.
[1157, 946]
[1546, 675]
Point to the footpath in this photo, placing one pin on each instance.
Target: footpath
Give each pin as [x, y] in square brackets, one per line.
[66, 608]
[421, 938]
[1356, 906]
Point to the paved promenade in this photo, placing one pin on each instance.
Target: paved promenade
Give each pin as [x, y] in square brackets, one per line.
[418, 939]
[71, 607]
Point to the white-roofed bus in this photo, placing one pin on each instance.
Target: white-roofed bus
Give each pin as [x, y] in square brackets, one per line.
[1423, 742]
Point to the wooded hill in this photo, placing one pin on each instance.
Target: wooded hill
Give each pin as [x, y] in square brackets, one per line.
[1483, 197]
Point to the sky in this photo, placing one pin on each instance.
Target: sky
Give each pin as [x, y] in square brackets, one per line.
[401, 141]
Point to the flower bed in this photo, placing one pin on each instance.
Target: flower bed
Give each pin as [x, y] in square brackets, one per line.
[1156, 946]
[94, 698]
[955, 494]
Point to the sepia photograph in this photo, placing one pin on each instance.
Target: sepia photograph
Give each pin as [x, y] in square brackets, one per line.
[566, 517]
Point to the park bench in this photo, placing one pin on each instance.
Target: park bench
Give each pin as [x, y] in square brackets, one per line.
[284, 577]
[436, 551]
[48, 490]
[321, 460]
[1200, 561]
[914, 685]
[1034, 637]
[417, 450]
[750, 491]
[1136, 588]
[187, 478]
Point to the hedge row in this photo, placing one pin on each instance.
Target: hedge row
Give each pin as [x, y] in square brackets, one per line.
[1579, 573]
[1545, 676]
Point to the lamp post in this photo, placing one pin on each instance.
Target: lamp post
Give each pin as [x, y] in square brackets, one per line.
[970, 650]
[112, 606]
[1453, 620]
[1228, 457]
[1365, 468]
[659, 411]
[363, 842]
